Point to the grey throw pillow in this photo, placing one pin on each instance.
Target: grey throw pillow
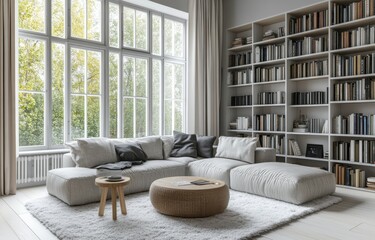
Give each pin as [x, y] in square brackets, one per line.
[131, 152]
[185, 145]
[205, 146]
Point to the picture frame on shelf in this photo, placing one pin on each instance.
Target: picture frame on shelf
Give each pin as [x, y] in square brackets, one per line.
[314, 151]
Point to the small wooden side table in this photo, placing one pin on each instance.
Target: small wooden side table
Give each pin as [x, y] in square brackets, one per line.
[117, 188]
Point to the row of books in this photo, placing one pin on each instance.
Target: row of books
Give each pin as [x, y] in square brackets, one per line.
[293, 148]
[305, 98]
[353, 65]
[245, 100]
[272, 141]
[362, 151]
[240, 59]
[345, 12]
[243, 123]
[269, 52]
[307, 45]
[240, 77]
[268, 74]
[270, 122]
[353, 38]
[355, 123]
[315, 125]
[309, 69]
[362, 89]
[271, 97]
[308, 22]
[346, 175]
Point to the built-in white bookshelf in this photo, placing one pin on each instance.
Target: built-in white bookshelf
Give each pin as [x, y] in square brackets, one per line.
[299, 51]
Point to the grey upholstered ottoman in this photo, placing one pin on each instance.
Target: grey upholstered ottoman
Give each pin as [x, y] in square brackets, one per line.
[287, 182]
[74, 186]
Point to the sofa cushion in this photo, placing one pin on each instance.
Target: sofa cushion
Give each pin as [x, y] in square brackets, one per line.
[183, 160]
[152, 146]
[287, 182]
[237, 148]
[185, 145]
[216, 168]
[130, 152]
[94, 152]
[167, 145]
[205, 146]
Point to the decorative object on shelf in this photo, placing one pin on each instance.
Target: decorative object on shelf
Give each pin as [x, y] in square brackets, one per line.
[325, 128]
[326, 155]
[314, 150]
[301, 125]
[270, 34]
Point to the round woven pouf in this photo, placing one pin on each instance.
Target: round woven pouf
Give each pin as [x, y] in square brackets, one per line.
[175, 196]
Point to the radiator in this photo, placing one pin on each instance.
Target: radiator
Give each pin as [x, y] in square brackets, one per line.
[32, 169]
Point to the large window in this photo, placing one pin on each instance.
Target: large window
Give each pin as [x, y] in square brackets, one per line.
[113, 69]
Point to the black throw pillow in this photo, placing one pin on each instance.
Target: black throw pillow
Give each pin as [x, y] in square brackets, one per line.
[185, 145]
[131, 152]
[205, 146]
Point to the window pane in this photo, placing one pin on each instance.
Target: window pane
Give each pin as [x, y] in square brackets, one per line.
[168, 37]
[77, 117]
[129, 19]
[113, 93]
[32, 15]
[141, 116]
[93, 116]
[58, 18]
[114, 24]
[78, 70]
[78, 18]
[168, 117]
[141, 30]
[31, 64]
[128, 112]
[141, 77]
[31, 118]
[58, 76]
[128, 76]
[168, 81]
[86, 19]
[156, 78]
[178, 107]
[178, 39]
[94, 19]
[156, 35]
[93, 72]
[178, 81]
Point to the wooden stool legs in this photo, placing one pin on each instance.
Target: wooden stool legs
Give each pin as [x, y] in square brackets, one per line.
[114, 192]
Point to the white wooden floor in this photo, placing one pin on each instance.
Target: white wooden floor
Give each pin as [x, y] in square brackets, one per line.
[353, 218]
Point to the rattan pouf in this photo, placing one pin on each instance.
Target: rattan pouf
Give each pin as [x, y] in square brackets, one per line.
[174, 196]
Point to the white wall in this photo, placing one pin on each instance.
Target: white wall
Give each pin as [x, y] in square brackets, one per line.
[182, 5]
[237, 12]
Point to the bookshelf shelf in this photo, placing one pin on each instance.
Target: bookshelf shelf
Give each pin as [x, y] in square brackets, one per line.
[323, 64]
[269, 105]
[240, 67]
[241, 48]
[309, 56]
[357, 188]
[307, 158]
[240, 85]
[245, 106]
[324, 77]
[309, 105]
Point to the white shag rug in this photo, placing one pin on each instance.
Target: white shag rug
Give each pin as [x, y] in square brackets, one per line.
[246, 216]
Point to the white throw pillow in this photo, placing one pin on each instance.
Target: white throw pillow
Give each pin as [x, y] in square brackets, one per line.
[95, 151]
[152, 146]
[237, 148]
[74, 151]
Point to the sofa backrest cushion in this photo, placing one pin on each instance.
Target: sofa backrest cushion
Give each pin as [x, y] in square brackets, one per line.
[205, 146]
[94, 152]
[238, 148]
[131, 152]
[152, 146]
[185, 145]
[167, 145]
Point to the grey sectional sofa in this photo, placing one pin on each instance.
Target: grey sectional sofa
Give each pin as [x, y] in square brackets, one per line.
[75, 185]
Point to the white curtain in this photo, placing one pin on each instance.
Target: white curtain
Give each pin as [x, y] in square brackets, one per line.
[8, 98]
[205, 41]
